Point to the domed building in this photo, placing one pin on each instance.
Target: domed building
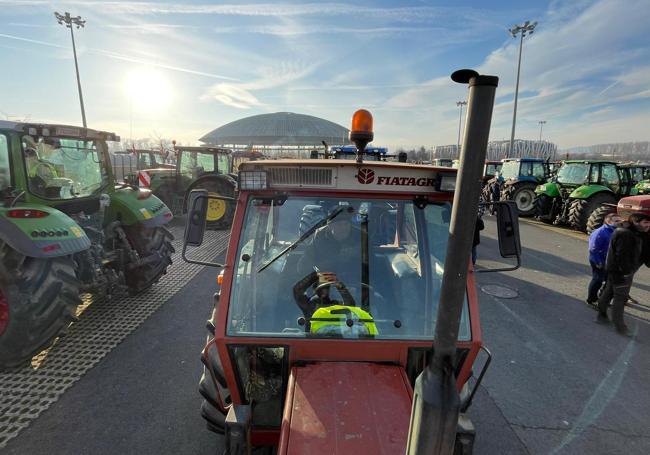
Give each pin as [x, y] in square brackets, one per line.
[281, 133]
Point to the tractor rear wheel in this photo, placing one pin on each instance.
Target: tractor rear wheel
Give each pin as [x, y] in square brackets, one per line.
[581, 209]
[38, 299]
[155, 249]
[220, 213]
[543, 208]
[597, 217]
[523, 194]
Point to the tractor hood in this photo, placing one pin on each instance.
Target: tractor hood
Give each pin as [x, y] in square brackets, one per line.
[340, 408]
[634, 204]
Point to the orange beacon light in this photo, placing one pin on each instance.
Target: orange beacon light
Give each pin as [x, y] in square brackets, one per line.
[361, 131]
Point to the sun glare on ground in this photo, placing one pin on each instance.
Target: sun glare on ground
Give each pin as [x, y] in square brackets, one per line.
[148, 90]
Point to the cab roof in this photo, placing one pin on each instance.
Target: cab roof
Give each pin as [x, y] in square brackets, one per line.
[58, 130]
[537, 160]
[346, 163]
[348, 176]
[590, 162]
[202, 149]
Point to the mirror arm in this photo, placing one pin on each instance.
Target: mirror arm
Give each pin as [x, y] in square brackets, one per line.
[193, 261]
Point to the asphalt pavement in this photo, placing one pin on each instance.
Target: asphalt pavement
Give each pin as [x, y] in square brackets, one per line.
[558, 383]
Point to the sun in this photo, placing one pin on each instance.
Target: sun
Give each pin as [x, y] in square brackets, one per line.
[148, 90]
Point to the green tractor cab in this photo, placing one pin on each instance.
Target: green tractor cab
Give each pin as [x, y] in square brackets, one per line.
[640, 175]
[520, 177]
[580, 188]
[127, 163]
[67, 228]
[208, 168]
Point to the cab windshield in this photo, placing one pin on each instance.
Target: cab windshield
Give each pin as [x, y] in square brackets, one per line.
[60, 168]
[573, 174]
[510, 170]
[341, 268]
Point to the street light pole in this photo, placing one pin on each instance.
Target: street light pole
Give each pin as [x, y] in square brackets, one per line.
[460, 121]
[541, 125]
[526, 28]
[68, 21]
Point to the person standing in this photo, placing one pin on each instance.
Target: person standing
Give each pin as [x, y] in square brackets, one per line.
[627, 251]
[598, 246]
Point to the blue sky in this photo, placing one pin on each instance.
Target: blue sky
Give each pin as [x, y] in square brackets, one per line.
[179, 69]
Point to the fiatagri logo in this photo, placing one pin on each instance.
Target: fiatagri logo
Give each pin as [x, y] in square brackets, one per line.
[366, 176]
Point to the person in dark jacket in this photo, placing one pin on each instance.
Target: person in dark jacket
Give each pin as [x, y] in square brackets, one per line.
[598, 246]
[628, 250]
[480, 225]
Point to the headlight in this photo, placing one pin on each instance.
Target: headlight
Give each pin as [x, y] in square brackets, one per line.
[448, 182]
[253, 180]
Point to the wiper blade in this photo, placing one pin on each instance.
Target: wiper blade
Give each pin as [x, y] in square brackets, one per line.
[303, 237]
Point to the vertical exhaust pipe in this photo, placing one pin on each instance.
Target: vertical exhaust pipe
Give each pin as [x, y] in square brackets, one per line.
[436, 403]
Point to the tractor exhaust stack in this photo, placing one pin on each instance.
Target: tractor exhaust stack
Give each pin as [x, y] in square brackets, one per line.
[436, 402]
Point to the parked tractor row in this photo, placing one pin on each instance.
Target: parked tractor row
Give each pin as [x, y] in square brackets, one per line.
[575, 193]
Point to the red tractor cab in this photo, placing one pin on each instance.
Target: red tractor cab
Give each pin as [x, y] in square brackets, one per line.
[329, 304]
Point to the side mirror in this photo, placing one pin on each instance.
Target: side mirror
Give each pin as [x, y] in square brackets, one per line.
[508, 229]
[508, 233]
[195, 224]
[196, 217]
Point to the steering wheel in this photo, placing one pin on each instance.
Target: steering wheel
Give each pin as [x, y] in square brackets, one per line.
[340, 286]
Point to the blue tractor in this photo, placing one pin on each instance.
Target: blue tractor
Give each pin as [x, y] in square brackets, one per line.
[520, 177]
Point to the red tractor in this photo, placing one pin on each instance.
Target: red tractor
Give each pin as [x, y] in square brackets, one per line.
[339, 276]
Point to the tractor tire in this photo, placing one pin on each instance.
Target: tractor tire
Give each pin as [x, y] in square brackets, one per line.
[216, 403]
[224, 213]
[38, 299]
[597, 217]
[543, 208]
[155, 248]
[523, 194]
[581, 209]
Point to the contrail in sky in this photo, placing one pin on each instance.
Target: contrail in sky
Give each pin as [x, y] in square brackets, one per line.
[126, 58]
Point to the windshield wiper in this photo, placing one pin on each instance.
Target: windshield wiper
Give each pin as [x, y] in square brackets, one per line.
[303, 237]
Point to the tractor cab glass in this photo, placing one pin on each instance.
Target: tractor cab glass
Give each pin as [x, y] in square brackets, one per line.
[146, 160]
[59, 168]
[5, 177]
[510, 170]
[492, 168]
[355, 268]
[195, 164]
[575, 174]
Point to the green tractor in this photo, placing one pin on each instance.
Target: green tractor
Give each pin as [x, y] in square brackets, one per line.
[580, 188]
[520, 177]
[640, 175]
[66, 228]
[209, 168]
[637, 173]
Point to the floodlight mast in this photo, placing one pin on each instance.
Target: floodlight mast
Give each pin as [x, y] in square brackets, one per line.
[541, 125]
[524, 29]
[68, 21]
[460, 121]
